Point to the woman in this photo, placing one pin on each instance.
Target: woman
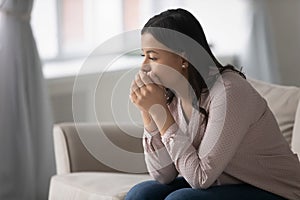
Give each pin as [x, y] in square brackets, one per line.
[205, 122]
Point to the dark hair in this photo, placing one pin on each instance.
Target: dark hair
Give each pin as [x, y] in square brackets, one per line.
[184, 22]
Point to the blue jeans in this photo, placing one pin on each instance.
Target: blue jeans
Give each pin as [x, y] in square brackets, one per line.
[179, 189]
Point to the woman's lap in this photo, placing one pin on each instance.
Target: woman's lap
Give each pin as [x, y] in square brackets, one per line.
[224, 192]
[179, 189]
[149, 190]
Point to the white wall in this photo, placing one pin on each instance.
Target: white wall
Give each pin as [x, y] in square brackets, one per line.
[100, 97]
[285, 20]
[112, 95]
[106, 101]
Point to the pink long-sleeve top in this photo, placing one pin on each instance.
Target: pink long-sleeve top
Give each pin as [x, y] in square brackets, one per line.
[241, 143]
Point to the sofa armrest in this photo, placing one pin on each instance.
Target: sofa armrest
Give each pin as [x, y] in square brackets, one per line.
[61, 151]
[72, 155]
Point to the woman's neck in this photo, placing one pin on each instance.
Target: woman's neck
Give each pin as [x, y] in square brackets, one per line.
[185, 92]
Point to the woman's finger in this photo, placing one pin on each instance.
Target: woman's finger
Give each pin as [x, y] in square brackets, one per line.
[145, 78]
[133, 87]
[133, 97]
[138, 93]
[138, 80]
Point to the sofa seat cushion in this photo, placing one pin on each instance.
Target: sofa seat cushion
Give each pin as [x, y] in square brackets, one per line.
[93, 185]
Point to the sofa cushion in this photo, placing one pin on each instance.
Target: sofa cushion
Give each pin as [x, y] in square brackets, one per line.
[93, 185]
[283, 101]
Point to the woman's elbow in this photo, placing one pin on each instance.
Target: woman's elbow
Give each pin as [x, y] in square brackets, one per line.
[205, 186]
[202, 184]
[162, 178]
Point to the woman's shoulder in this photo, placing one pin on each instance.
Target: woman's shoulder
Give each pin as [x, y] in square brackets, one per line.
[231, 83]
[228, 76]
[234, 91]
[234, 79]
[228, 79]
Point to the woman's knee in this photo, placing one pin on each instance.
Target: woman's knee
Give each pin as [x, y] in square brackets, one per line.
[154, 190]
[190, 194]
[240, 191]
[179, 194]
[141, 191]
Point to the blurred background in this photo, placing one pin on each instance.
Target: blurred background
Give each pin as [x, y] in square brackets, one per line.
[260, 36]
[36, 82]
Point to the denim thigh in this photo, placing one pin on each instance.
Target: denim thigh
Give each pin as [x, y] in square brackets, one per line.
[153, 190]
[223, 192]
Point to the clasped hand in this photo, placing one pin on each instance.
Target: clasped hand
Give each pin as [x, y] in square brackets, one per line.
[146, 91]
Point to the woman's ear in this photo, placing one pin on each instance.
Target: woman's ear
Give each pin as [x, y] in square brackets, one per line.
[184, 59]
[184, 63]
[183, 56]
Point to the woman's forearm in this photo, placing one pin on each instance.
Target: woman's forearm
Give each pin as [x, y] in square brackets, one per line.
[162, 118]
[149, 124]
[159, 163]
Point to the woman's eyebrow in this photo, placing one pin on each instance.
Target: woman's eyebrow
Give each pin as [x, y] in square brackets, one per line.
[150, 51]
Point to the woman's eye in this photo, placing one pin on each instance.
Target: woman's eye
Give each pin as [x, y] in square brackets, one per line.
[151, 58]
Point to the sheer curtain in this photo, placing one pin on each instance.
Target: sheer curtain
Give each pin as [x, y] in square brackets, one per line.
[26, 147]
[258, 56]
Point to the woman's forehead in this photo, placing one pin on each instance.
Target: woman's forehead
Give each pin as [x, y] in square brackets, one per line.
[150, 43]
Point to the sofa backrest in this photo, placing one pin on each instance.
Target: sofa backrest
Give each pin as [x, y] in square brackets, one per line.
[73, 155]
[285, 105]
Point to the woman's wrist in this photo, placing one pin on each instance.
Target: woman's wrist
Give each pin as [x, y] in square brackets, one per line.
[149, 124]
[151, 127]
[162, 117]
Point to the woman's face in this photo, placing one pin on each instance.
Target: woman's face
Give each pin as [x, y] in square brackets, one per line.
[160, 60]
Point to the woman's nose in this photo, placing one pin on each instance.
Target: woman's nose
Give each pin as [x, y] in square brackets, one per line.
[145, 67]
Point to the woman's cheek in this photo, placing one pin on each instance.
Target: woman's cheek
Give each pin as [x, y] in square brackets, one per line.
[155, 71]
[160, 75]
[167, 75]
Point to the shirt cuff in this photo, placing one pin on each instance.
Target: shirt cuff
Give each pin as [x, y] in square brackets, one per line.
[170, 133]
[176, 142]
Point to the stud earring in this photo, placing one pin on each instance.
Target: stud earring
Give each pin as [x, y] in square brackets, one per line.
[183, 66]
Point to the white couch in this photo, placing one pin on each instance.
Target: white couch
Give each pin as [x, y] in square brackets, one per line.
[81, 176]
